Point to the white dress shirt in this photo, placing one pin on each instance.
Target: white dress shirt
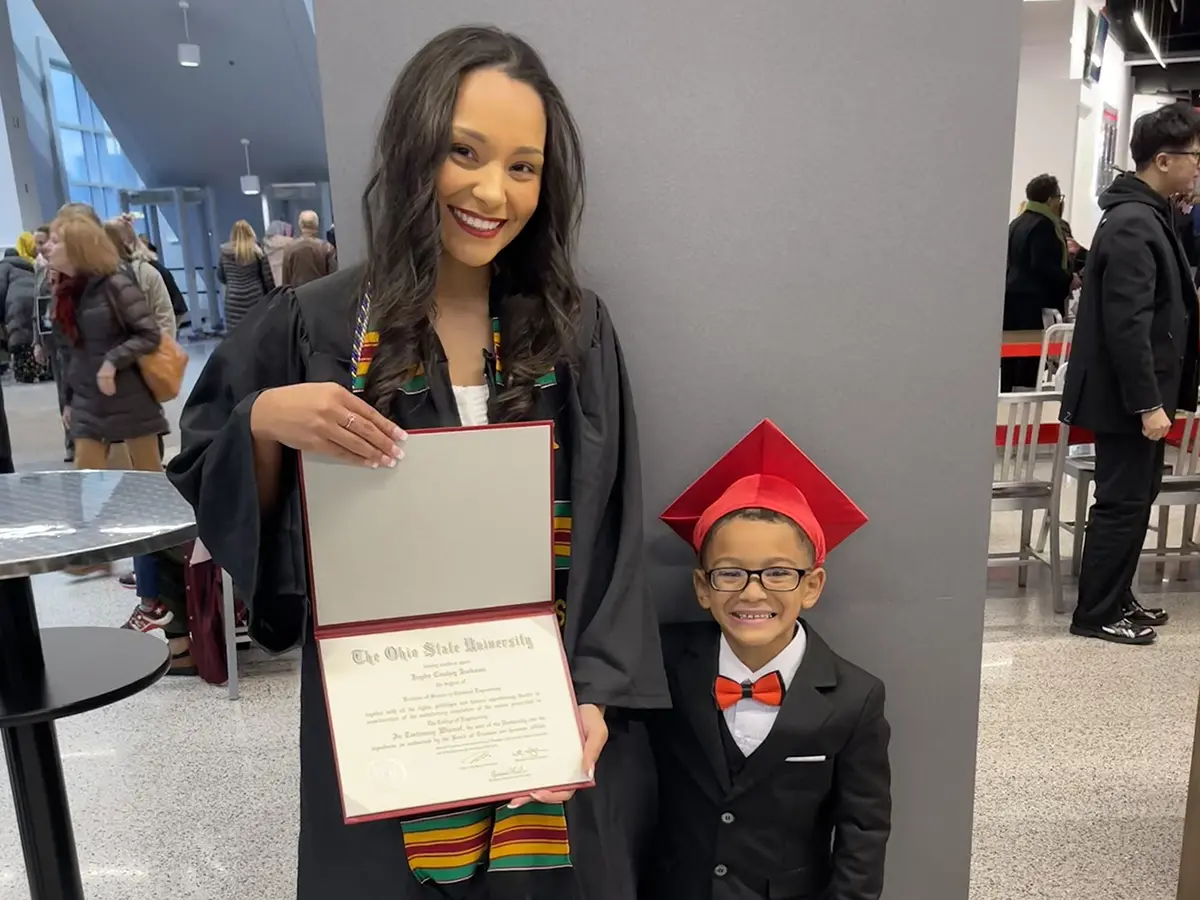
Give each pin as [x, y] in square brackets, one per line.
[750, 721]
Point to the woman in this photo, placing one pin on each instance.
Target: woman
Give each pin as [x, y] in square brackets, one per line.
[17, 309]
[278, 239]
[107, 322]
[245, 272]
[132, 254]
[470, 213]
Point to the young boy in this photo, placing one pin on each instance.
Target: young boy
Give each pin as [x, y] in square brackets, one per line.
[774, 781]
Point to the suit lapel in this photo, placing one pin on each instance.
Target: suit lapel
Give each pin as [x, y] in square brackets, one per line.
[696, 674]
[804, 712]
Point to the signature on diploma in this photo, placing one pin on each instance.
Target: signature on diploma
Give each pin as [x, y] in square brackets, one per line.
[510, 772]
[479, 760]
[527, 753]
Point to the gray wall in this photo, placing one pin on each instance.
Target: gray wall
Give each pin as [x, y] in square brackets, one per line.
[797, 211]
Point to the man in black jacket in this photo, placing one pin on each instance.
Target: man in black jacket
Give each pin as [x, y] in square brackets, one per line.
[1039, 272]
[1133, 364]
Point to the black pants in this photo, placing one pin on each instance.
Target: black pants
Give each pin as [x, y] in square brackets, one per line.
[59, 353]
[1128, 475]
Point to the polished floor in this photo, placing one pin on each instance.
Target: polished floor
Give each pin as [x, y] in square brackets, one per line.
[1083, 751]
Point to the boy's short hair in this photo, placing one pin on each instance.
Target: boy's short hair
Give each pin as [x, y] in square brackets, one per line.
[1172, 127]
[757, 514]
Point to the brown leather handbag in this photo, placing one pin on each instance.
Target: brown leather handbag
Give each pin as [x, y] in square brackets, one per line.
[162, 369]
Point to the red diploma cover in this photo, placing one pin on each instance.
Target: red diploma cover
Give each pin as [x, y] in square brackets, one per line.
[431, 585]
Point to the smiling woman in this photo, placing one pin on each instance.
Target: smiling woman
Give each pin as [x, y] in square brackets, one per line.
[466, 312]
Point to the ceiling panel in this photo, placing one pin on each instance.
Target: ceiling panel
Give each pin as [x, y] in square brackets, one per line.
[257, 79]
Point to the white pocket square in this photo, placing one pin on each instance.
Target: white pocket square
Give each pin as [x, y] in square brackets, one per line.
[806, 759]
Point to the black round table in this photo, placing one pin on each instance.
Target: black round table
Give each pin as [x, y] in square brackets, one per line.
[49, 521]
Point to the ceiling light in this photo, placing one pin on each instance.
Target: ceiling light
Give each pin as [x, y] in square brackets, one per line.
[250, 183]
[189, 53]
[1150, 42]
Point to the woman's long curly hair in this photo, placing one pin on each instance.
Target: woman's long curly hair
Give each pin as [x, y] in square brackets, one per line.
[403, 222]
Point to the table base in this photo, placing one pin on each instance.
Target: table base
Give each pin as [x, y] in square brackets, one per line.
[43, 813]
[34, 766]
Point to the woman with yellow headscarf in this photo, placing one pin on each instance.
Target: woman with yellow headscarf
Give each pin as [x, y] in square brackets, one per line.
[17, 304]
[26, 246]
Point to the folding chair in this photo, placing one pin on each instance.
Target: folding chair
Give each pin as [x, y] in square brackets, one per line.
[1018, 486]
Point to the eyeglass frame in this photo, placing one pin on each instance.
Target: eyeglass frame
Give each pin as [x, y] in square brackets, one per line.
[1194, 154]
[756, 573]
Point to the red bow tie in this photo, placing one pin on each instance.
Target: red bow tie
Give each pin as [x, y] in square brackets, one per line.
[768, 690]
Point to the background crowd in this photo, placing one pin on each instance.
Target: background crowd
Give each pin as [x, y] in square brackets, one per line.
[84, 302]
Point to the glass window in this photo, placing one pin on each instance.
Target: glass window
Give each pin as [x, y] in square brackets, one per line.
[62, 85]
[114, 166]
[97, 202]
[112, 202]
[92, 160]
[85, 104]
[80, 194]
[72, 153]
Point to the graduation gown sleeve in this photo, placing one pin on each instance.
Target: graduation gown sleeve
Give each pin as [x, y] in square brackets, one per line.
[214, 470]
[612, 629]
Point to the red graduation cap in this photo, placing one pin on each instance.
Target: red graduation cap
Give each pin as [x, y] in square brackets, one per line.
[766, 470]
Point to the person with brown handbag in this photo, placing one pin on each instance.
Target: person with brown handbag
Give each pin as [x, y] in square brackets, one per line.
[113, 334]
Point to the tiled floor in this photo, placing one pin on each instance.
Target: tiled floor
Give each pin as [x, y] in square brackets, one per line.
[1083, 753]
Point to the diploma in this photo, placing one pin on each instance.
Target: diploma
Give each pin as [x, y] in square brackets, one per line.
[439, 717]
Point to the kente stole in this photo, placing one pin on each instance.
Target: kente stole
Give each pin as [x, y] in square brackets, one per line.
[454, 846]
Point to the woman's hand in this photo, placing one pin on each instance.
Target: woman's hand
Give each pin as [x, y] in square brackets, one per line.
[66, 417]
[326, 418]
[595, 736]
[106, 378]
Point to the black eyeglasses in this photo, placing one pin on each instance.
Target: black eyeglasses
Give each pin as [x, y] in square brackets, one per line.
[776, 578]
[1194, 154]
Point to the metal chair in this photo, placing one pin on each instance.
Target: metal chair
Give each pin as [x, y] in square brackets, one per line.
[1018, 487]
[1180, 487]
[1049, 362]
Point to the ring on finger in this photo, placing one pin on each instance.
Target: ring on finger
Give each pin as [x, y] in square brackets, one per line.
[350, 420]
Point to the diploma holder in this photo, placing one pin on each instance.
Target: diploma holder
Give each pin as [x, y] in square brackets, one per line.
[432, 591]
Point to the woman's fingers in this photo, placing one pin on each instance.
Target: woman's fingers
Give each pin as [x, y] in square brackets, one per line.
[373, 426]
[358, 449]
[541, 797]
[334, 451]
[385, 447]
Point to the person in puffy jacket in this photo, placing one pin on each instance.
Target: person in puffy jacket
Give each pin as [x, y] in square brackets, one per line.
[16, 301]
[109, 324]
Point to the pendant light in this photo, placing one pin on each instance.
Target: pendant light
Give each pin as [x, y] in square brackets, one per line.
[189, 53]
[250, 183]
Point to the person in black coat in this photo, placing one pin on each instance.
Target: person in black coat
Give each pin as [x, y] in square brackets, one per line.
[774, 778]
[17, 315]
[1133, 365]
[1039, 272]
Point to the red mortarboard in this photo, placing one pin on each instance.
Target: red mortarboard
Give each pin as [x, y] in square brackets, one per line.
[766, 470]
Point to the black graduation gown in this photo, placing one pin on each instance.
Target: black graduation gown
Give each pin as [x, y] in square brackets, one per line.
[610, 631]
[781, 823]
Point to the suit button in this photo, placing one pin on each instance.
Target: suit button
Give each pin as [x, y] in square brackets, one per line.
[721, 870]
[727, 818]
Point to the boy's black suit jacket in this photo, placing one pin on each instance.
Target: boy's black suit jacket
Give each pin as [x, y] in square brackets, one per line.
[781, 828]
